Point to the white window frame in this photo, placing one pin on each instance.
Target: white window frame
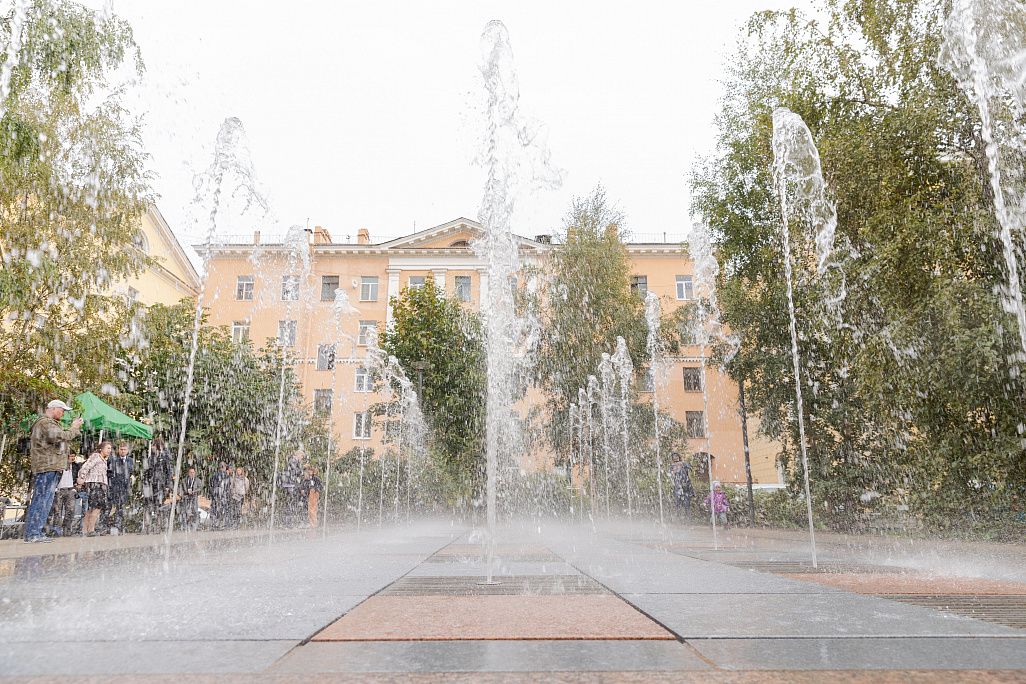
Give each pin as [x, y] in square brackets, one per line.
[240, 331]
[290, 286]
[363, 380]
[416, 282]
[362, 426]
[289, 328]
[685, 288]
[364, 332]
[463, 295]
[369, 286]
[243, 293]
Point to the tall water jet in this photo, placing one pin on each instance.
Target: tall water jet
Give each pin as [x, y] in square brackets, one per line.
[340, 308]
[652, 316]
[605, 398]
[625, 371]
[706, 329]
[590, 396]
[297, 271]
[798, 176]
[985, 49]
[231, 158]
[513, 157]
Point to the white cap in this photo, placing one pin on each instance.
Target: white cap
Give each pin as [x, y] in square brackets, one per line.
[57, 403]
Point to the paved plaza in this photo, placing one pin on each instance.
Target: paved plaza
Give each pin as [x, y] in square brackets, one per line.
[569, 603]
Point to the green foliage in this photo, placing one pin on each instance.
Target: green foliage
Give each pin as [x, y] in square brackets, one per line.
[428, 327]
[73, 186]
[913, 393]
[588, 304]
[233, 412]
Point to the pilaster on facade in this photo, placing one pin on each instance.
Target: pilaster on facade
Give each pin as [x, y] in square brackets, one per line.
[393, 291]
[482, 274]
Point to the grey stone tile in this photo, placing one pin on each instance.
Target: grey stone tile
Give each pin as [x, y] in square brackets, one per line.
[814, 615]
[490, 656]
[625, 568]
[139, 657]
[911, 653]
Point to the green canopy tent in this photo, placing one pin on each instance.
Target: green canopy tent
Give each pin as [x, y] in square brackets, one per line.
[99, 416]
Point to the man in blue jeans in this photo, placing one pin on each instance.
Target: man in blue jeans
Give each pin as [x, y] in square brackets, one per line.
[48, 454]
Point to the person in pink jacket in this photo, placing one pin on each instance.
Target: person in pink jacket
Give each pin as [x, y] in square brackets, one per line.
[92, 477]
[720, 505]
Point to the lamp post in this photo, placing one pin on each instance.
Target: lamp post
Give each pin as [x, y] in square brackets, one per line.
[420, 367]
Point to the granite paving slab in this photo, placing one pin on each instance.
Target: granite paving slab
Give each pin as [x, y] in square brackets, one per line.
[415, 585]
[500, 568]
[442, 618]
[915, 583]
[814, 615]
[78, 658]
[894, 653]
[490, 656]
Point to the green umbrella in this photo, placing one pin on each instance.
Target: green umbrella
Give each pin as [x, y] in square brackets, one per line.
[97, 415]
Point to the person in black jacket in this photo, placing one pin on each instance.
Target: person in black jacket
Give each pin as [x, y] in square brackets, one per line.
[156, 484]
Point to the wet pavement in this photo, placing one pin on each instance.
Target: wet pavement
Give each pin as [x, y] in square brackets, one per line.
[623, 603]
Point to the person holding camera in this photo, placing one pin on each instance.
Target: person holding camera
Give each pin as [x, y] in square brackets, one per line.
[48, 448]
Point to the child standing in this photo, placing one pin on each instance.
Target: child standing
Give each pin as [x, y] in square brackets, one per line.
[718, 503]
[311, 487]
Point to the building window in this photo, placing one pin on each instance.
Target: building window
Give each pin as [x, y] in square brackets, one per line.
[363, 379]
[287, 333]
[367, 328]
[132, 295]
[416, 282]
[322, 401]
[244, 288]
[289, 288]
[462, 288]
[369, 289]
[692, 379]
[685, 287]
[362, 425]
[328, 286]
[695, 421]
[325, 357]
[639, 285]
[646, 380]
[240, 332]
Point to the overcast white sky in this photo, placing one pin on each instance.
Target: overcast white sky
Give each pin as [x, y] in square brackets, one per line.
[363, 114]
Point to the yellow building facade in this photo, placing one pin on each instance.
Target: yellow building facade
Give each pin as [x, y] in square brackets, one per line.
[253, 291]
[172, 277]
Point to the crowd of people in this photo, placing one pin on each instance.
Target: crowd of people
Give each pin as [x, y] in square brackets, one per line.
[102, 485]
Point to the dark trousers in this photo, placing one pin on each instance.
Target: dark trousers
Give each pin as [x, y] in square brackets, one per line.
[190, 512]
[234, 513]
[63, 516]
[116, 501]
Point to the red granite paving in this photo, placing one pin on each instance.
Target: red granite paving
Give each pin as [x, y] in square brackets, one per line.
[907, 583]
[434, 618]
[501, 550]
